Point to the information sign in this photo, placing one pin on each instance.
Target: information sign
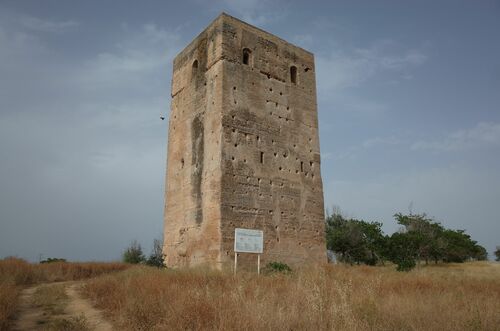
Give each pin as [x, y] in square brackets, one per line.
[248, 241]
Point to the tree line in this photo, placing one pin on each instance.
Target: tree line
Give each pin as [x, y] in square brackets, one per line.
[420, 239]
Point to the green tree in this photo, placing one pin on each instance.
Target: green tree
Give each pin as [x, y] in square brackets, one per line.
[480, 253]
[133, 253]
[354, 241]
[403, 250]
[460, 247]
[420, 239]
[497, 254]
[433, 241]
[426, 234]
[52, 260]
[156, 257]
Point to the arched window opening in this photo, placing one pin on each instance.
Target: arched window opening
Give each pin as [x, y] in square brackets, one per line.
[293, 74]
[246, 56]
[195, 67]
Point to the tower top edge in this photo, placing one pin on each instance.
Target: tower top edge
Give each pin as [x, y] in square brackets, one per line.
[224, 17]
[273, 36]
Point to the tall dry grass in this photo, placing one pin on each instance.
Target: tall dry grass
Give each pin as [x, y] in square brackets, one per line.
[8, 298]
[16, 273]
[20, 272]
[457, 297]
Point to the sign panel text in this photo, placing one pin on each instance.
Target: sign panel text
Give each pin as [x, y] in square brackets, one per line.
[248, 241]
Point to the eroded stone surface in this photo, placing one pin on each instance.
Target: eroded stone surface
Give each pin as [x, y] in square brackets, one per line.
[243, 149]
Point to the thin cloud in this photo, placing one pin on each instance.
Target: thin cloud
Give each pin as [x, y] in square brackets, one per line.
[41, 25]
[381, 141]
[344, 69]
[303, 40]
[142, 51]
[251, 11]
[483, 134]
[354, 152]
[326, 156]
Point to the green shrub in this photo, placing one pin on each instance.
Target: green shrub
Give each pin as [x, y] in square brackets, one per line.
[406, 265]
[156, 258]
[133, 254]
[52, 260]
[273, 267]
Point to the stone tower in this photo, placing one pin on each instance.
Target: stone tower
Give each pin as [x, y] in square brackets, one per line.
[243, 149]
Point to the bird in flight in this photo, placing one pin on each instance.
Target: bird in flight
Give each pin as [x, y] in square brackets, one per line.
[162, 117]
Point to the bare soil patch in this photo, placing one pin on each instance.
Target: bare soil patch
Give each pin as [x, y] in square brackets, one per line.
[78, 306]
[57, 306]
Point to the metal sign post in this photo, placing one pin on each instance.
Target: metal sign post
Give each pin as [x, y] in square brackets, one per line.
[258, 264]
[248, 241]
[235, 262]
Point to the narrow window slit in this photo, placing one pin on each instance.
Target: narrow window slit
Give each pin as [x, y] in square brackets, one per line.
[293, 74]
[195, 68]
[246, 56]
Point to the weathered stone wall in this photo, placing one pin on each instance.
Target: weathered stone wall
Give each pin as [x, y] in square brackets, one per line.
[192, 204]
[248, 135]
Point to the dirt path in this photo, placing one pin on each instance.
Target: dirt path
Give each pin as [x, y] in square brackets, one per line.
[78, 306]
[40, 309]
[28, 315]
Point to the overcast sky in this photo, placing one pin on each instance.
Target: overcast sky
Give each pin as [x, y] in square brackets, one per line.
[408, 96]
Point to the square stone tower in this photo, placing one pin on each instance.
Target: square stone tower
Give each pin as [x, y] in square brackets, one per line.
[243, 149]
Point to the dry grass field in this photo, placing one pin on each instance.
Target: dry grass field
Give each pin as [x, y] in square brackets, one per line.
[331, 297]
[443, 297]
[16, 274]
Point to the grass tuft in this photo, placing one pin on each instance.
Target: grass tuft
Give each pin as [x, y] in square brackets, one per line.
[78, 323]
[51, 298]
